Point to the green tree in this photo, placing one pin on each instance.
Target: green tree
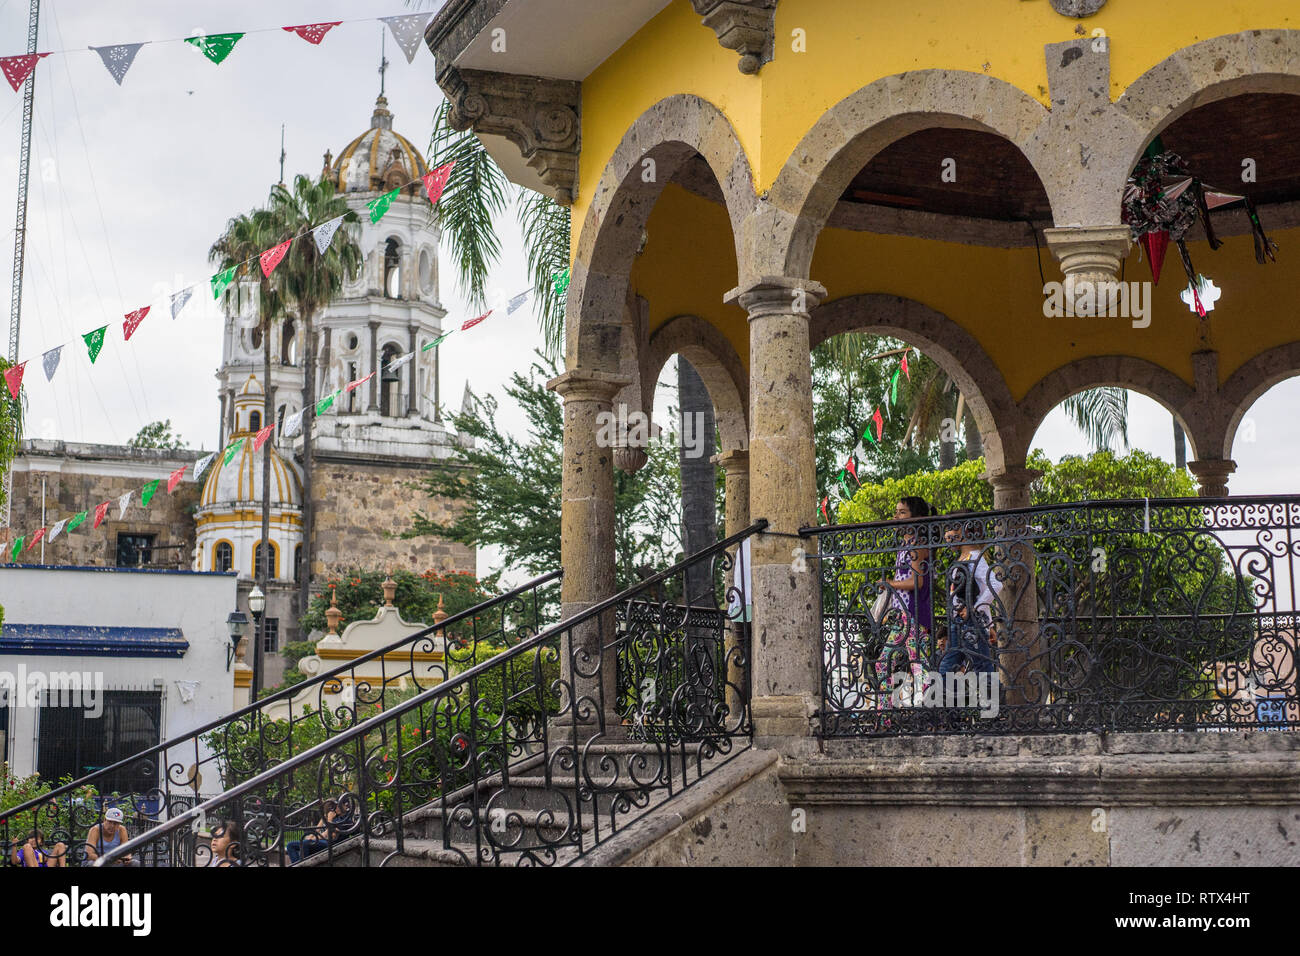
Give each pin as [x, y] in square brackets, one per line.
[309, 282]
[157, 435]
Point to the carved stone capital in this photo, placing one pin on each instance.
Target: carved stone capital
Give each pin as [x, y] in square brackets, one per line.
[1090, 257]
[746, 26]
[778, 295]
[539, 116]
[1212, 476]
[1077, 8]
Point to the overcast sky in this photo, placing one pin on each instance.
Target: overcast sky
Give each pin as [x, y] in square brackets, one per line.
[130, 186]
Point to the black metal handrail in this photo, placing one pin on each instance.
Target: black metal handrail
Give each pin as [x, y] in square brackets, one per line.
[1135, 614]
[83, 801]
[452, 751]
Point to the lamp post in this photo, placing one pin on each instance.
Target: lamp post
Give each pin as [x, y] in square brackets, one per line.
[237, 624]
[257, 604]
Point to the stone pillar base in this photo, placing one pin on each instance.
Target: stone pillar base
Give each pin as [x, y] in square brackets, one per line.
[784, 723]
[1212, 476]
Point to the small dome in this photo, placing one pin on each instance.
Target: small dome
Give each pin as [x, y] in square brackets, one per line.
[241, 480]
[379, 159]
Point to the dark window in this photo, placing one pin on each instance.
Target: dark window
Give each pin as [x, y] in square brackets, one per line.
[257, 337]
[223, 558]
[288, 350]
[392, 270]
[258, 554]
[255, 421]
[297, 564]
[390, 384]
[74, 743]
[352, 377]
[133, 550]
[271, 635]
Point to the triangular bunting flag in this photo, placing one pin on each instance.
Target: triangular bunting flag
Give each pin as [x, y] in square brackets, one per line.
[101, 510]
[408, 31]
[233, 447]
[18, 546]
[133, 321]
[123, 503]
[36, 537]
[516, 302]
[435, 181]
[179, 299]
[852, 468]
[202, 464]
[1175, 188]
[893, 385]
[216, 46]
[436, 342]
[397, 363]
[50, 361]
[1155, 243]
[174, 479]
[147, 492]
[75, 521]
[94, 342]
[324, 404]
[824, 514]
[292, 425]
[903, 366]
[561, 281]
[880, 424]
[271, 258]
[18, 68]
[473, 322]
[324, 233]
[57, 529]
[1215, 199]
[380, 206]
[14, 378]
[118, 59]
[221, 280]
[358, 383]
[260, 439]
[313, 33]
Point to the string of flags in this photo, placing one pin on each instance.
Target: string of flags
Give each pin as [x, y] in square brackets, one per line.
[407, 30]
[850, 466]
[434, 182]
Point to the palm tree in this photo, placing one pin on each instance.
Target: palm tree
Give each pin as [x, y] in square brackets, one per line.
[245, 238]
[310, 282]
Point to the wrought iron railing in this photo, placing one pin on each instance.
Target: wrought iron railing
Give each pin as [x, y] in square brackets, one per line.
[180, 772]
[529, 757]
[1171, 614]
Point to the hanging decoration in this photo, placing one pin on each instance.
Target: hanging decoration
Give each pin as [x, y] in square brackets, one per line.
[175, 477]
[408, 31]
[435, 181]
[14, 378]
[313, 33]
[179, 299]
[94, 342]
[324, 233]
[233, 447]
[118, 59]
[101, 510]
[123, 502]
[18, 68]
[57, 529]
[380, 205]
[436, 342]
[132, 322]
[216, 46]
[561, 281]
[202, 464]
[147, 492]
[258, 440]
[221, 280]
[50, 362]
[473, 322]
[514, 304]
[272, 257]
[1200, 295]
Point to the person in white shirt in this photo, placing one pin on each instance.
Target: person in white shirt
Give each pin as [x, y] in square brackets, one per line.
[972, 590]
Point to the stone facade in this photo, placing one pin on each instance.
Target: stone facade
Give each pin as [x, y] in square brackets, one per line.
[78, 477]
[361, 511]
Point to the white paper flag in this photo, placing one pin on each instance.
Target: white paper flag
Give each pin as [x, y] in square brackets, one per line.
[123, 503]
[408, 31]
[179, 299]
[118, 58]
[292, 425]
[51, 362]
[201, 465]
[399, 362]
[324, 233]
[57, 529]
[516, 302]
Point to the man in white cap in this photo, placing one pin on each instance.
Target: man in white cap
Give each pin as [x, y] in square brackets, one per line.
[106, 836]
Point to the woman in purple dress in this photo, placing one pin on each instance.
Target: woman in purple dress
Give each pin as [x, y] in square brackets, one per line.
[909, 635]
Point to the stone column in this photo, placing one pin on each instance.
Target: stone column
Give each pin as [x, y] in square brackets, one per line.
[787, 658]
[587, 546]
[1020, 646]
[1212, 476]
[1090, 257]
[374, 367]
[411, 407]
[735, 464]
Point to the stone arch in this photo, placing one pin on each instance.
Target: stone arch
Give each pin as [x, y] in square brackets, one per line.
[719, 366]
[954, 349]
[1254, 61]
[1250, 382]
[1142, 376]
[669, 133]
[854, 130]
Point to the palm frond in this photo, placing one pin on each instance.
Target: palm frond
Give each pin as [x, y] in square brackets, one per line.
[475, 194]
[1101, 414]
[545, 225]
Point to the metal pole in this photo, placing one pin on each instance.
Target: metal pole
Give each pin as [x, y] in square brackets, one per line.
[42, 518]
[20, 225]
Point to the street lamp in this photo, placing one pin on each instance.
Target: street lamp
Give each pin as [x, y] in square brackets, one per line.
[237, 624]
[257, 604]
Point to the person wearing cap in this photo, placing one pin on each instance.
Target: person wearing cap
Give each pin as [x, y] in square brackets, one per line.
[106, 836]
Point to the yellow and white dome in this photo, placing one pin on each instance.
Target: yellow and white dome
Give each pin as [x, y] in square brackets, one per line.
[240, 482]
[379, 159]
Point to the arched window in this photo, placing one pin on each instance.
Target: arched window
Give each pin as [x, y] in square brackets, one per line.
[223, 556]
[297, 564]
[390, 383]
[256, 337]
[279, 418]
[258, 553]
[255, 421]
[289, 343]
[392, 270]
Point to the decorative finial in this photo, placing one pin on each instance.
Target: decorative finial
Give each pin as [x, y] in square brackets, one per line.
[390, 589]
[333, 615]
[441, 614]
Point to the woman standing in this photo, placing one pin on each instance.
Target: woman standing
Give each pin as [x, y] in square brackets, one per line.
[909, 638]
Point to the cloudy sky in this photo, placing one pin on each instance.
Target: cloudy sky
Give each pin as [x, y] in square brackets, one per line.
[130, 185]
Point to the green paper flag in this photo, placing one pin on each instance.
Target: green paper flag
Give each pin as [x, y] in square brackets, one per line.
[76, 520]
[216, 46]
[324, 404]
[94, 342]
[146, 493]
[380, 206]
[561, 282]
[221, 280]
[18, 546]
[233, 447]
[870, 437]
[894, 386]
[436, 342]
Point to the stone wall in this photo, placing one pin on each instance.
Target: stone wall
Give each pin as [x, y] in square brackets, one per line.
[78, 477]
[361, 509]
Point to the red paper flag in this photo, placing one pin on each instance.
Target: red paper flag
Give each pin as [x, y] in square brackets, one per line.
[473, 322]
[905, 371]
[36, 537]
[435, 181]
[880, 423]
[175, 477]
[133, 321]
[261, 438]
[271, 258]
[1155, 243]
[14, 378]
[824, 514]
[313, 33]
[100, 511]
[358, 383]
[851, 467]
[18, 68]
